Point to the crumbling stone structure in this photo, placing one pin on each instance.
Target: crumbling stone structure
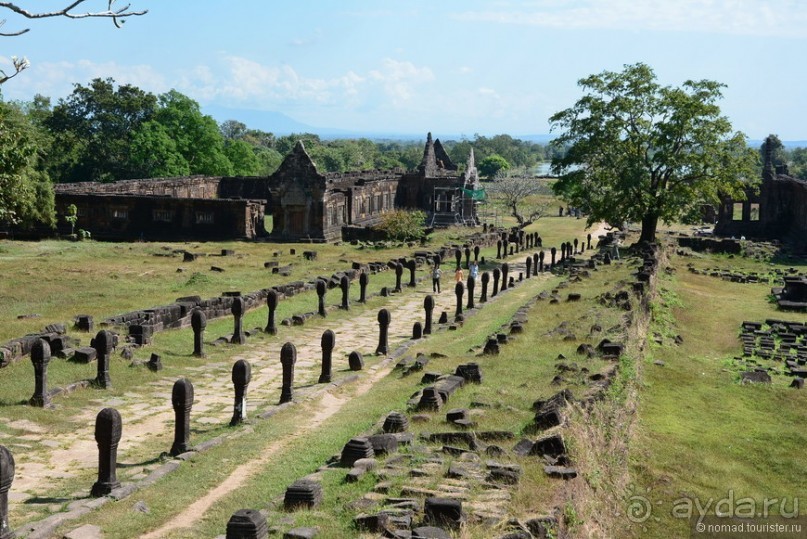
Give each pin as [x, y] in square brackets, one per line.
[777, 211]
[305, 205]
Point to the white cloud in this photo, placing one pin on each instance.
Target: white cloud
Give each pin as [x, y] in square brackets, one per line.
[241, 81]
[400, 78]
[238, 81]
[785, 18]
[56, 79]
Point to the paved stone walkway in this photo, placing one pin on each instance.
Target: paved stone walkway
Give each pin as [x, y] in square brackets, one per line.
[43, 462]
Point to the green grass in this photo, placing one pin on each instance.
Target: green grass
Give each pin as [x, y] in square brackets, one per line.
[304, 454]
[59, 280]
[700, 433]
[513, 380]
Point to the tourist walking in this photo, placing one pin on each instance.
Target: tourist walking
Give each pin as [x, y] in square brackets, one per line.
[436, 274]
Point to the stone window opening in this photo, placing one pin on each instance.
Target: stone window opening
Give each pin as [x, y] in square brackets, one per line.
[162, 216]
[754, 214]
[737, 211]
[204, 218]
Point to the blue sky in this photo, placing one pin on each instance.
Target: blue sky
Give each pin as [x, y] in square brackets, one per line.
[411, 66]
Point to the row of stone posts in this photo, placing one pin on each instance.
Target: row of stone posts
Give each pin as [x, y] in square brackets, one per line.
[523, 241]
[534, 264]
[109, 425]
[104, 340]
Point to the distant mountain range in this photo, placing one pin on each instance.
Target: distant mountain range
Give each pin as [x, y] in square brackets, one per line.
[281, 124]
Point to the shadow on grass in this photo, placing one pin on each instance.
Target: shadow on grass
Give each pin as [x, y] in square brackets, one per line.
[155, 460]
[23, 402]
[46, 500]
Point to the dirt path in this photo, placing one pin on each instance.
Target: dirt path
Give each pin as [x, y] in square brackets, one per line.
[327, 406]
[600, 229]
[147, 411]
[403, 317]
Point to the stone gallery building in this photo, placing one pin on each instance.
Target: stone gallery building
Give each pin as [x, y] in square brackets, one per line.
[777, 211]
[305, 205]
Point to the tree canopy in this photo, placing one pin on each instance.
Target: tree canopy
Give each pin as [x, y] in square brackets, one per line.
[639, 151]
[517, 153]
[197, 136]
[105, 131]
[492, 165]
[26, 194]
[93, 128]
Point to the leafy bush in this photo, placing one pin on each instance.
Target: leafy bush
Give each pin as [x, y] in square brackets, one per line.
[71, 216]
[403, 225]
[491, 165]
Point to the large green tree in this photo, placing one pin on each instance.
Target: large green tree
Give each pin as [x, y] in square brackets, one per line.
[93, 129]
[26, 194]
[798, 164]
[154, 153]
[243, 157]
[196, 135]
[492, 165]
[639, 151]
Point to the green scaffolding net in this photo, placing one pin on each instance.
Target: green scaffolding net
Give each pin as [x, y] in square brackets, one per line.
[476, 194]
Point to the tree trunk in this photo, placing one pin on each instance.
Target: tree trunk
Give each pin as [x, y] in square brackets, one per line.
[649, 225]
[518, 216]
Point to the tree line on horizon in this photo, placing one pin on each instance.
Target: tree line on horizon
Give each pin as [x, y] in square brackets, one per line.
[105, 132]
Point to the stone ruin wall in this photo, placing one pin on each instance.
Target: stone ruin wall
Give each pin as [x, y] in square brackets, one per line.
[782, 202]
[314, 207]
[367, 198]
[305, 204]
[782, 212]
[728, 226]
[188, 187]
[163, 217]
[783, 209]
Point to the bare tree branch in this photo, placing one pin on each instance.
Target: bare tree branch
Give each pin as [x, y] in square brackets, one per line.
[19, 65]
[115, 14]
[514, 189]
[11, 34]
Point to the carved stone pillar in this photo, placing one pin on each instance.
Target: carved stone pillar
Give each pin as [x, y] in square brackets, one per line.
[108, 429]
